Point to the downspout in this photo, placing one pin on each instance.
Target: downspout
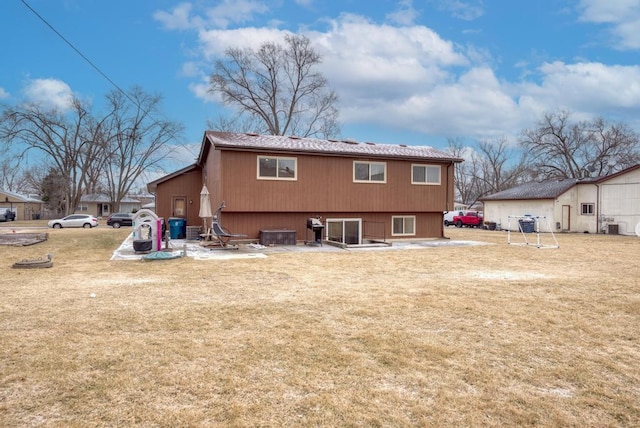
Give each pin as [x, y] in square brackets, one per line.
[597, 208]
[446, 202]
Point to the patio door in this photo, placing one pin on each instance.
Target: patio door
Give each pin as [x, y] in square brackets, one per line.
[346, 231]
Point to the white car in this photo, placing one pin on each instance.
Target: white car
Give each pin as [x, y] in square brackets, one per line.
[74, 220]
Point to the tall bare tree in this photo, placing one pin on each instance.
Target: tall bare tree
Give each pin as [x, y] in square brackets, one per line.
[10, 173]
[467, 174]
[490, 167]
[134, 138]
[560, 148]
[280, 87]
[502, 167]
[59, 135]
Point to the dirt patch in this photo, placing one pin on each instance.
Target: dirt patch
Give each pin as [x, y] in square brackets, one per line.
[22, 238]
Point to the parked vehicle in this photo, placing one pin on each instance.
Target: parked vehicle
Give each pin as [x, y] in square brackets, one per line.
[74, 220]
[468, 218]
[7, 215]
[449, 215]
[120, 219]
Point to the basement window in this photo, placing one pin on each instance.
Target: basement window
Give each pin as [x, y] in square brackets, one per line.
[587, 209]
[403, 225]
[277, 168]
[425, 174]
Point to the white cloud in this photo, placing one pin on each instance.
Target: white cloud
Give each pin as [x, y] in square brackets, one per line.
[466, 10]
[3, 94]
[179, 18]
[409, 77]
[589, 86]
[622, 15]
[405, 15]
[213, 43]
[224, 14]
[51, 93]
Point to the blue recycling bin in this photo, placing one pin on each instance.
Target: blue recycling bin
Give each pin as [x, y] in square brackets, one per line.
[527, 225]
[177, 228]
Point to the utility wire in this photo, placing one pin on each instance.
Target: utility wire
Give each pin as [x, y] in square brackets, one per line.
[78, 52]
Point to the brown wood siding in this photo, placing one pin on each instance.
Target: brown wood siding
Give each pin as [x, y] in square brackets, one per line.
[325, 183]
[375, 225]
[187, 185]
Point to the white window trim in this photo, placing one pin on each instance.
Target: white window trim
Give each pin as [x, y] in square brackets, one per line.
[583, 204]
[426, 183]
[278, 159]
[384, 164]
[403, 217]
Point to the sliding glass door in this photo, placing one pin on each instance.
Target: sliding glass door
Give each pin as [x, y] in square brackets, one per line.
[346, 231]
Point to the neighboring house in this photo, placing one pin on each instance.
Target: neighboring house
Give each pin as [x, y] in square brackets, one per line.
[608, 204]
[101, 205]
[361, 191]
[25, 207]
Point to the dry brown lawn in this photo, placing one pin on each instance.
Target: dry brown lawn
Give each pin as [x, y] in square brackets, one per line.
[478, 336]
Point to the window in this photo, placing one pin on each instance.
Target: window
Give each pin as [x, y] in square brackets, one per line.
[425, 174]
[370, 172]
[277, 168]
[403, 226]
[83, 208]
[587, 209]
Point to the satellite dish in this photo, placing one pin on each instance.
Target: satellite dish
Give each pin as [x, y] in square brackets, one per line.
[638, 229]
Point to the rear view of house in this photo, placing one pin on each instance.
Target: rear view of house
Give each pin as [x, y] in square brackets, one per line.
[360, 191]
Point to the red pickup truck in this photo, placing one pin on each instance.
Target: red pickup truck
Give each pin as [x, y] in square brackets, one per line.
[468, 218]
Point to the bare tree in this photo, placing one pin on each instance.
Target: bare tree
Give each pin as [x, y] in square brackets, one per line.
[59, 135]
[466, 174]
[280, 87]
[562, 149]
[10, 173]
[502, 168]
[134, 139]
[491, 167]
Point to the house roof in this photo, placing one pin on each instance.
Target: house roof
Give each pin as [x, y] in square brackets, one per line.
[151, 186]
[16, 197]
[102, 198]
[619, 173]
[549, 189]
[293, 144]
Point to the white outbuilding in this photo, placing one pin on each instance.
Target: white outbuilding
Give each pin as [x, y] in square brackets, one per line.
[609, 204]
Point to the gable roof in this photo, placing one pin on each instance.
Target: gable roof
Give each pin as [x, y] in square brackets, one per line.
[549, 189]
[151, 186]
[315, 146]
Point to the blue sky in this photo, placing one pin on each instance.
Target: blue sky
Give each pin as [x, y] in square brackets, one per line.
[407, 72]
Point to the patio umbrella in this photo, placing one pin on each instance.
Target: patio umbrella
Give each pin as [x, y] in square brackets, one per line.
[205, 206]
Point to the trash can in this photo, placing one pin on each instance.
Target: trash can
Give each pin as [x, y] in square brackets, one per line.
[527, 225]
[177, 228]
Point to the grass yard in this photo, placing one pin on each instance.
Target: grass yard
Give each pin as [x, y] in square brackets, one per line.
[479, 336]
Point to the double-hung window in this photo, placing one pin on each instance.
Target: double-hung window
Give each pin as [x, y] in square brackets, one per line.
[403, 225]
[277, 168]
[369, 172]
[425, 174]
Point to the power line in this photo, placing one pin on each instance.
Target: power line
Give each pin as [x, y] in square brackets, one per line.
[95, 67]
